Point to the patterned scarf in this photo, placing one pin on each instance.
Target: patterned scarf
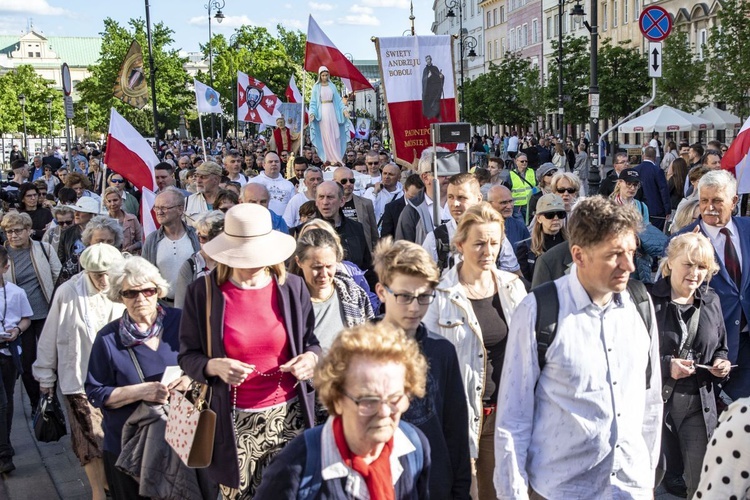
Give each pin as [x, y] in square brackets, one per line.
[377, 475]
[131, 336]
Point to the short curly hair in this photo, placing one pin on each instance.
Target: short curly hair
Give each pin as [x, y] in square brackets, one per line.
[373, 341]
[102, 222]
[134, 271]
[16, 219]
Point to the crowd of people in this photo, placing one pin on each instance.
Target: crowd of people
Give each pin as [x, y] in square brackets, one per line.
[517, 337]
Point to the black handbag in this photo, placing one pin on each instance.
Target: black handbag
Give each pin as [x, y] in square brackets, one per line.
[49, 420]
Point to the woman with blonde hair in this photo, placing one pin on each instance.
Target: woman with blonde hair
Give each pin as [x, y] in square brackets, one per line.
[694, 354]
[548, 232]
[473, 307]
[568, 186]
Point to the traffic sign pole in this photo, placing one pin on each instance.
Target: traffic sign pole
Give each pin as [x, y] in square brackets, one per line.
[68, 101]
[654, 59]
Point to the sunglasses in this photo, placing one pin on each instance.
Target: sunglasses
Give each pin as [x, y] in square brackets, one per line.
[65, 223]
[117, 181]
[550, 173]
[522, 161]
[567, 190]
[346, 181]
[372, 163]
[554, 215]
[131, 294]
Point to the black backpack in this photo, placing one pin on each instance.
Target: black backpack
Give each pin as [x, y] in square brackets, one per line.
[443, 247]
[546, 317]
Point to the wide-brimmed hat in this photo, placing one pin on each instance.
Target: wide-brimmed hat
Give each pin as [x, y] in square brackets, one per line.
[550, 203]
[248, 240]
[88, 205]
[100, 258]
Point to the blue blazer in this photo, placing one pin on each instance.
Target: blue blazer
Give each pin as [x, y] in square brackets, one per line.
[733, 302]
[655, 188]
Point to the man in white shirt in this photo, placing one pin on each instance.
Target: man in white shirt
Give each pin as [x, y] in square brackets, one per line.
[207, 180]
[587, 425]
[387, 190]
[233, 166]
[312, 178]
[372, 161]
[280, 189]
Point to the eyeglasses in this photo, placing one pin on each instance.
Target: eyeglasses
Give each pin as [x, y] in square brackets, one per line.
[368, 406]
[635, 185]
[555, 215]
[117, 181]
[522, 161]
[131, 294]
[376, 163]
[15, 231]
[407, 298]
[343, 182]
[567, 190]
[164, 209]
[65, 223]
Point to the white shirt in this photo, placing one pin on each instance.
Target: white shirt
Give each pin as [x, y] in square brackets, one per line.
[170, 255]
[586, 427]
[241, 179]
[291, 212]
[380, 200]
[16, 305]
[445, 212]
[506, 261]
[719, 241]
[513, 144]
[280, 191]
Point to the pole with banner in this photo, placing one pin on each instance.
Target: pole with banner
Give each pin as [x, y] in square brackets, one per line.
[68, 101]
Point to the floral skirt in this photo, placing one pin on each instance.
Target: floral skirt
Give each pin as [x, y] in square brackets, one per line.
[86, 434]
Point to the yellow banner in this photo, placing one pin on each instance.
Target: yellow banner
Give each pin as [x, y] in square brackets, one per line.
[130, 86]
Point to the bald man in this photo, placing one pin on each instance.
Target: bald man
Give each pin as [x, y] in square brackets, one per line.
[387, 190]
[501, 200]
[356, 207]
[258, 194]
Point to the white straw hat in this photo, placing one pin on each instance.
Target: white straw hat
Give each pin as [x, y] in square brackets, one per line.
[248, 240]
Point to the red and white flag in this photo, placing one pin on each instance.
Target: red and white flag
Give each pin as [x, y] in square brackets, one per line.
[320, 51]
[129, 154]
[294, 95]
[737, 158]
[148, 199]
[256, 103]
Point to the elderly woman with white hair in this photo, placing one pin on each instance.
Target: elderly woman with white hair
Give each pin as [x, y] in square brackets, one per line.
[79, 309]
[100, 229]
[129, 357]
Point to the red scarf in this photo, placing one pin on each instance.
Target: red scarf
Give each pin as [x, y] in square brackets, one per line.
[377, 475]
[283, 142]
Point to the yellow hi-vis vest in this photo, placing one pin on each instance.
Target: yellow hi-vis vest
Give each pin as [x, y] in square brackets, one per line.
[522, 189]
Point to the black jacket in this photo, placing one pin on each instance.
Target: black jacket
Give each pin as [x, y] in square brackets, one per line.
[552, 265]
[391, 213]
[710, 341]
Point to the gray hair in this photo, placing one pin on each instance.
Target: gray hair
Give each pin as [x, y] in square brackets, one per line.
[134, 271]
[313, 170]
[425, 161]
[102, 222]
[211, 223]
[719, 179]
[179, 195]
[62, 210]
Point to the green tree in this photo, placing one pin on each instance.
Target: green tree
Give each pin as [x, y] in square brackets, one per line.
[729, 59]
[172, 94]
[623, 79]
[683, 76]
[576, 70]
[37, 90]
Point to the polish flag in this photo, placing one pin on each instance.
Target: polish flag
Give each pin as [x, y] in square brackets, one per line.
[320, 51]
[129, 154]
[148, 199]
[294, 95]
[737, 159]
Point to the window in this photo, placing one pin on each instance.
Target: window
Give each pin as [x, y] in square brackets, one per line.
[614, 14]
[502, 46]
[636, 9]
[605, 16]
[556, 26]
[494, 17]
[37, 54]
[31, 54]
[535, 31]
[702, 39]
[512, 39]
[565, 23]
[549, 28]
[489, 19]
[489, 50]
[497, 54]
[625, 11]
[502, 13]
[525, 35]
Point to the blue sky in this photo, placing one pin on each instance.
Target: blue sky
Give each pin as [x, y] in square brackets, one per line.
[349, 24]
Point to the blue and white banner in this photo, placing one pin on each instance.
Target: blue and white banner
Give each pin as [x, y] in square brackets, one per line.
[206, 98]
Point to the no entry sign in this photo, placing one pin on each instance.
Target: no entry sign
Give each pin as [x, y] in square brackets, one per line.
[655, 23]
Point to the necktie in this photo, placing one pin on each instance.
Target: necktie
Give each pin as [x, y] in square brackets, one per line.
[731, 261]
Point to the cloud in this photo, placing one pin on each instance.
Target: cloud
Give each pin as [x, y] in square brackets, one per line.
[287, 23]
[321, 6]
[228, 21]
[358, 9]
[398, 4]
[35, 7]
[359, 20]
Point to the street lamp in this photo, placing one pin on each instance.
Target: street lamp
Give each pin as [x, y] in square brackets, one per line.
[22, 100]
[86, 109]
[219, 16]
[51, 143]
[452, 4]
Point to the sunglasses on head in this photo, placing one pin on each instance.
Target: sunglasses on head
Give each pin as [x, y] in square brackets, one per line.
[346, 181]
[131, 294]
[567, 190]
[555, 215]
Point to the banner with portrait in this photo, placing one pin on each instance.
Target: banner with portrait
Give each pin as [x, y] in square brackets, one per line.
[363, 129]
[420, 89]
[292, 113]
[130, 86]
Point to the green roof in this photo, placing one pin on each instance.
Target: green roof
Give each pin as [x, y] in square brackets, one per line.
[368, 68]
[77, 51]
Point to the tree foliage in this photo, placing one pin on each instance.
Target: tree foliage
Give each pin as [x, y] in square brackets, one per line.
[729, 59]
[683, 76]
[623, 79]
[576, 70]
[172, 93]
[508, 94]
[37, 90]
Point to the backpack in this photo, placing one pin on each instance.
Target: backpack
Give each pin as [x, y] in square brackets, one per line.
[546, 317]
[312, 478]
[443, 247]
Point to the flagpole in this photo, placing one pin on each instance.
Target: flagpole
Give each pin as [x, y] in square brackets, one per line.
[302, 115]
[104, 186]
[203, 140]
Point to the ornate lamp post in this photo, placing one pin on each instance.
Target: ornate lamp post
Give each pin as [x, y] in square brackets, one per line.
[219, 16]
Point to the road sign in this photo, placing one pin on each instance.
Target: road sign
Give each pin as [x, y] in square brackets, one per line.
[593, 99]
[66, 82]
[68, 101]
[655, 23]
[654, 59]
[594, 111]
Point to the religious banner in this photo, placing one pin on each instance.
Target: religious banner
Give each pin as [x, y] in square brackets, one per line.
[256, 103]
[420, 89]
[130, 86]
[363, 129]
